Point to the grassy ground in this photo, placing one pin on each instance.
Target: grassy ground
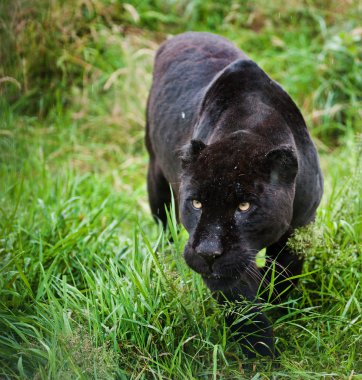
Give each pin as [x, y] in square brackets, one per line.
[90, 285]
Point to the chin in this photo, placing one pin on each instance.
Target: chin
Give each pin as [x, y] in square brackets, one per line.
[220, 283]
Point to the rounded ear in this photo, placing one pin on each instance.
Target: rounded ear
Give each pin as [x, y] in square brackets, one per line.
[281, 164]
[191, 151]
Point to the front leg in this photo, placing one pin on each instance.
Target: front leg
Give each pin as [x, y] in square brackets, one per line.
[254, 330]
[283, 264]
[254, 334]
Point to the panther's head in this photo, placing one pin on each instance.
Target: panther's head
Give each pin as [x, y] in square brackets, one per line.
[236, 198]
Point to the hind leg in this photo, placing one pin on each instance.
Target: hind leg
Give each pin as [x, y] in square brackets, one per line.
[159, 193]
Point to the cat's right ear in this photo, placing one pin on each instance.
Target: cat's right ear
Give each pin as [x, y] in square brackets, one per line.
[191, 152]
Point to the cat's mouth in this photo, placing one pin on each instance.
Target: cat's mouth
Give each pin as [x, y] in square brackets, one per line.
[215, 276]
[222, 268]
[219, 276]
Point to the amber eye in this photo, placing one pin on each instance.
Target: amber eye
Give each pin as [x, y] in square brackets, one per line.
[244, 206]
[196, 204]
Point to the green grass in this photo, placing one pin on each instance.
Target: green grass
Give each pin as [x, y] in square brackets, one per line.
[90, 286]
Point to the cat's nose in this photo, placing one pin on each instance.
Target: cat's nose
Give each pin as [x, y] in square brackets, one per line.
[209, 249]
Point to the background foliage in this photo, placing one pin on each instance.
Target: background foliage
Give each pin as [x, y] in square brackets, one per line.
[90, 286]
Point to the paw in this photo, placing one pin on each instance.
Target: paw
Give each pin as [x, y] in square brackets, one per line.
[255, 334]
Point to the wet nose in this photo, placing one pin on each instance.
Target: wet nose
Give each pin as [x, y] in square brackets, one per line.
[209, 250]
[209, 254]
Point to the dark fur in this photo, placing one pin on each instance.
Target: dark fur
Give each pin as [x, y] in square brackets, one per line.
[219, 130]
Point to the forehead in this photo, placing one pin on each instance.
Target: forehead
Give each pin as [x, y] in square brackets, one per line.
[223, 170]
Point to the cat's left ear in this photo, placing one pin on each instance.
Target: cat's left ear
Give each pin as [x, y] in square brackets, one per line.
[281, 164]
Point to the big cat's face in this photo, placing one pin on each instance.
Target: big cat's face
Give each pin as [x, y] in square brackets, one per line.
[231, 211]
